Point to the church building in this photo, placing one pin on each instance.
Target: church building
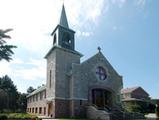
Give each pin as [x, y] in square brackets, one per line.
[72, 85]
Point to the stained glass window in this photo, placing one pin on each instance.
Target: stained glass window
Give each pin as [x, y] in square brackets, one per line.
[101, 73]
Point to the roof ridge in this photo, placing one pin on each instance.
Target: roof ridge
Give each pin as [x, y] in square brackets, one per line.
[41, 88]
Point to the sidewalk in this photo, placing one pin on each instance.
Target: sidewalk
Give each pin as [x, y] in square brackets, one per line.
[151, 115]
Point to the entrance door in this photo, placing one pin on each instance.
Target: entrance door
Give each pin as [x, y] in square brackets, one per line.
[49, 109]
[101, 98]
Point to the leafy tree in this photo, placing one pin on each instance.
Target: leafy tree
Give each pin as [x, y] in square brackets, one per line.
[5, 50]
[30, 90]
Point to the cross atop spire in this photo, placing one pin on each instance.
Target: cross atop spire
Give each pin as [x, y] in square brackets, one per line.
[63, 18]
[99, 49]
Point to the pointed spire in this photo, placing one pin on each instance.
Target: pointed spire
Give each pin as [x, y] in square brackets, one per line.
[63, 18]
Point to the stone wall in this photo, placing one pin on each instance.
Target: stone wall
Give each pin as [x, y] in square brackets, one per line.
[70, 108]
[64, 61]
[51, 66]
[62, 108]
[85, 79]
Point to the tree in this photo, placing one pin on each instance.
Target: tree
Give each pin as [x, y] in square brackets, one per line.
[157, 110]
[10, 91]
[22, 102]
[5, 50]
[3, 99]
[30, 90]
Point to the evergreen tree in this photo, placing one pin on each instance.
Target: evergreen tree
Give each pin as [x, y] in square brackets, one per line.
[5, 50]
[22, 102]
[9, 91]
[30, 90]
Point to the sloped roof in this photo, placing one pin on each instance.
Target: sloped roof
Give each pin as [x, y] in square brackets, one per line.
[42, 88]
[129, 90]
[99, 55]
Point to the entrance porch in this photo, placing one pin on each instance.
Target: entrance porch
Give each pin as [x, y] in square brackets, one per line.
[101, 98]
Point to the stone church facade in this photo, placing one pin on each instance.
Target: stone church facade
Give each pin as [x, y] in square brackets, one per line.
[72, 85]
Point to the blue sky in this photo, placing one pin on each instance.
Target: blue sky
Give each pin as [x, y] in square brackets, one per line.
[126, 30]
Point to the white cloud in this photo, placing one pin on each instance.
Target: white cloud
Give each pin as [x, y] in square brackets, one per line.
[34, 20]
[120, 3]
[84, 34]
[140, 3]
[36, 71]
[17, 61]
[4, 68]
[32, 23]
[81, 12]
[33, 71]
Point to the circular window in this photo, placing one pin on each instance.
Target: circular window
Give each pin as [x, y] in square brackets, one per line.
[101, 73]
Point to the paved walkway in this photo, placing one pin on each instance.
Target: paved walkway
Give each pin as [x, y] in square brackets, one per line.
[62, 119]
[151, 115]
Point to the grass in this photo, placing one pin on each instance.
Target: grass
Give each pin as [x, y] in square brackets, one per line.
[71, 119]
[26, 115]
[17, 115]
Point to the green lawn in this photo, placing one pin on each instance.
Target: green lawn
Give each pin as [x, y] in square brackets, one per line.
[17, 115]
[26, 115]
[74, 119]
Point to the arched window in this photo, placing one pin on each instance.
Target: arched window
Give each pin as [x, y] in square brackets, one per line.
[50, 78]
[55, 37]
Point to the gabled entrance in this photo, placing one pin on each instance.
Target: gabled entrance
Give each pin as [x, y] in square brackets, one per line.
[101, 98]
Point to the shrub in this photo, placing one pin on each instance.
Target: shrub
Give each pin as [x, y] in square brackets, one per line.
[19, 115]
[157, 111]
[133, 108]
[39, 119]
[3, 117]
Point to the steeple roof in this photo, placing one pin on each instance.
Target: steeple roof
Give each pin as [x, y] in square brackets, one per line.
[63, 18]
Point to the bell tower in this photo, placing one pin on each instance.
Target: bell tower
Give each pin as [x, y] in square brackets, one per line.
[63, 36]
[60, 60]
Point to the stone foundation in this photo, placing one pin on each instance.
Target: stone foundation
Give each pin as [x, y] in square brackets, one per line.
[62, 108]
[70, 108]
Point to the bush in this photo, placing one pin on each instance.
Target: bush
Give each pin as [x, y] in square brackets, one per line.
[16, 116]
[19, 115]
[133, 108]
[38, 118]
[3, 117]
[157, 111]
